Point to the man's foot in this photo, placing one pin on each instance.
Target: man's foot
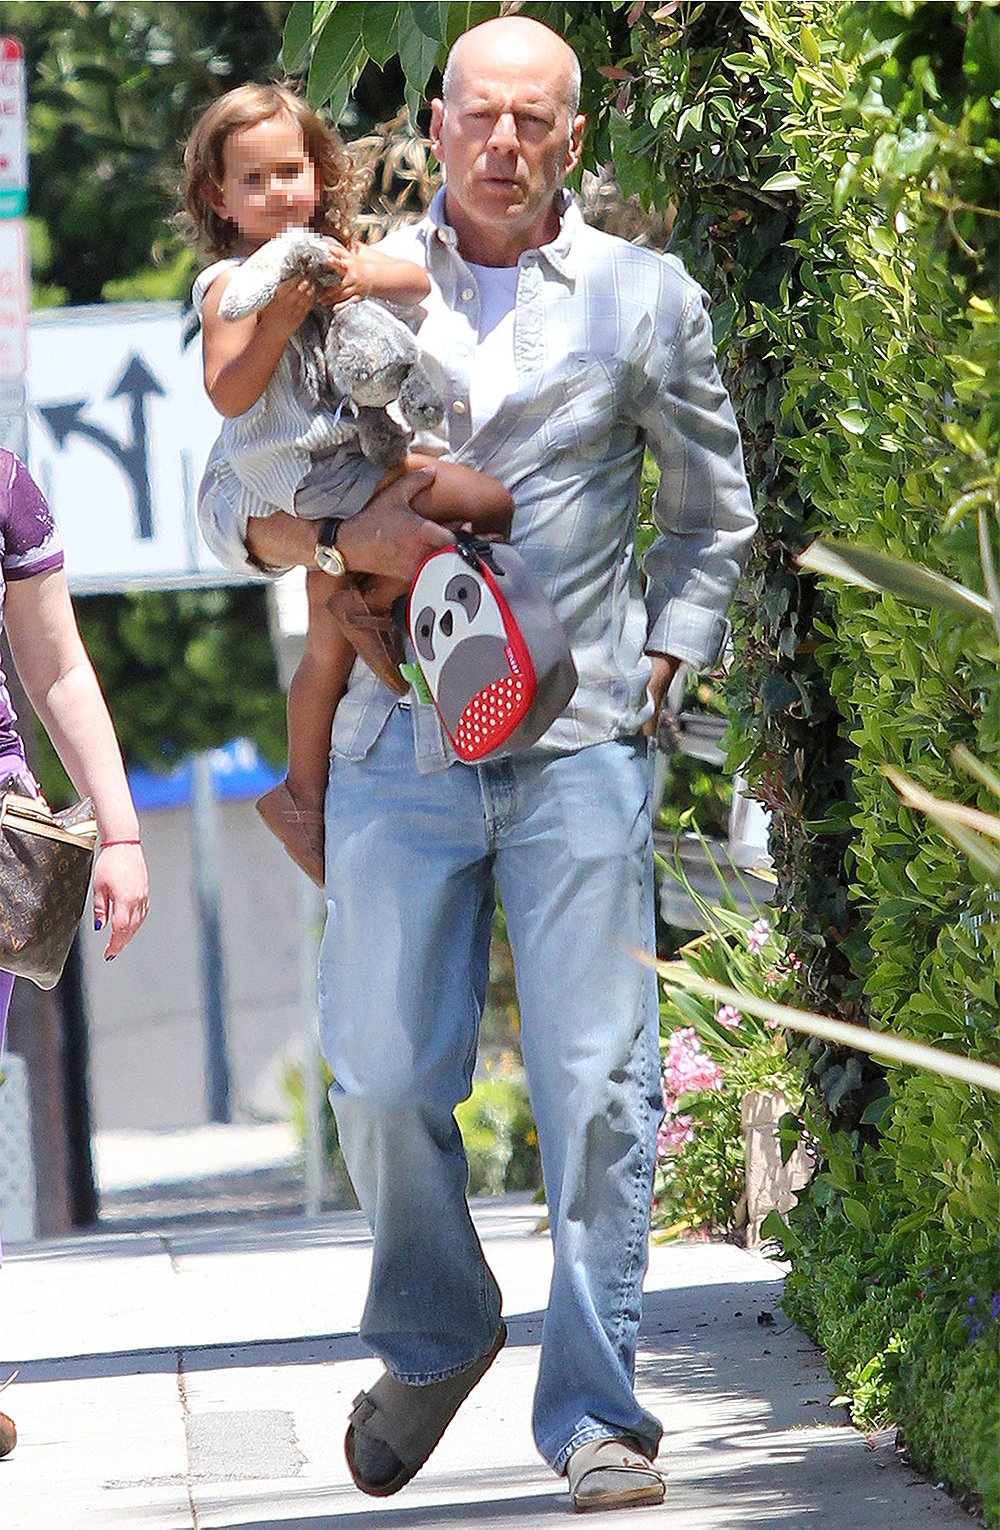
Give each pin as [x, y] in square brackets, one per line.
[395, 1426]
[299, 829]
[612, 1474]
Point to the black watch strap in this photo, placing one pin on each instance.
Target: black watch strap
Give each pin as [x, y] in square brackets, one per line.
[327, 555]
[327, 535]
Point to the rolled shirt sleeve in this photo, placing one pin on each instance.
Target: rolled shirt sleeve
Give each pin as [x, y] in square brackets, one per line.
[703, 509]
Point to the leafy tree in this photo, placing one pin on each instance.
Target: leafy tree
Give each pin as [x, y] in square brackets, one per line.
[183, 671]
[113, 90]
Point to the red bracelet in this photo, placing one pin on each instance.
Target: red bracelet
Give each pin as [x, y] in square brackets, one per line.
[106, 842]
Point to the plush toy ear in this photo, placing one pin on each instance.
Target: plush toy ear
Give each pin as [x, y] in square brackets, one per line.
[251, 287]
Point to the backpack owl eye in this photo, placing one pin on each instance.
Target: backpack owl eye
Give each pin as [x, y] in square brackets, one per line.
[463, 591]
[423, 633]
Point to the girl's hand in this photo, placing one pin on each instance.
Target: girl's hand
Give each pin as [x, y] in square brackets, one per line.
[121, 893]
[295, 296]
[357, 276]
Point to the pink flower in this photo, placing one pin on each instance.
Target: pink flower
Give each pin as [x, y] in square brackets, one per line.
[772, 1025]
[794, 962]
[686, 1068]
[729, 1016]
[758, 936]
[674, 1133]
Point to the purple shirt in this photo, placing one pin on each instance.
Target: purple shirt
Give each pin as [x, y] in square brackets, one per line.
[29, 545]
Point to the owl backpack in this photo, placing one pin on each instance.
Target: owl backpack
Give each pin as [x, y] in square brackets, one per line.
[486, 647]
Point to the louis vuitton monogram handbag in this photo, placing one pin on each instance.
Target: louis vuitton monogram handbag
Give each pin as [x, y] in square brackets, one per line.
[45, 863]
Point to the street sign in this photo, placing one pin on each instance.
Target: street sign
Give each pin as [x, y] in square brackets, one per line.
[119, 431]
[13, 130]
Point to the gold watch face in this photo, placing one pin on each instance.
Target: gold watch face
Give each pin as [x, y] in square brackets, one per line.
[329, 560]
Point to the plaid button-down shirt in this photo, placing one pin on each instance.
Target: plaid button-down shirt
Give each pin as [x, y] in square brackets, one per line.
[613, 351]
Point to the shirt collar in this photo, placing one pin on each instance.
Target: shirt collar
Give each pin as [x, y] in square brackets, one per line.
[556, 254]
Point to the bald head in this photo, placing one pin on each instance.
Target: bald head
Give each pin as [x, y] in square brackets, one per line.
[515, 39]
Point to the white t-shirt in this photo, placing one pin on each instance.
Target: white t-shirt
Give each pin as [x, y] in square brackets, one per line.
[494, 375]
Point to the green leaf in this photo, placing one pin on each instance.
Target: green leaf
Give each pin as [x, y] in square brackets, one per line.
[810, 47]
[417, 54]
[856, 1213]
[431, 17]
[337, 58]
[379, 31]
[786, 180]
[854, 421]
[881, 571]
[297, 36]
[774, 1226]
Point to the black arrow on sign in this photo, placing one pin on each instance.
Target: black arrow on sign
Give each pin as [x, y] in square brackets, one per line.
[64, 421]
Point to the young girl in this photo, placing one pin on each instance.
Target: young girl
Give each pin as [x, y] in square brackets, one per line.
[260, 162]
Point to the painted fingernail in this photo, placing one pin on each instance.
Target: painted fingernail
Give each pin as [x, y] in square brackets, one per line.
[109, 956]
[98, 924]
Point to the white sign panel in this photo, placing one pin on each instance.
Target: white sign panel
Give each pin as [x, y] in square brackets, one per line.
[13, 306]
[119, 431]
[13, 130]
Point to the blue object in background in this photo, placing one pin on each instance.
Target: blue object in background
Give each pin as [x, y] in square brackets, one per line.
[238, 772]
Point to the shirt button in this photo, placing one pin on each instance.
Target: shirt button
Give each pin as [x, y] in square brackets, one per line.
[468, 293]
[458, 407]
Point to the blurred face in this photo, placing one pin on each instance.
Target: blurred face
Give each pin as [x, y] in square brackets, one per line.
[506, 139]
[269, 181]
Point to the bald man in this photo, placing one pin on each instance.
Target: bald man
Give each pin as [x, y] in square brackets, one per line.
[566, 355]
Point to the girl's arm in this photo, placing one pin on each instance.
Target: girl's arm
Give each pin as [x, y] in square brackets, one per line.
[241, 354]
[461, 496]
[60, 683]
[366, 272]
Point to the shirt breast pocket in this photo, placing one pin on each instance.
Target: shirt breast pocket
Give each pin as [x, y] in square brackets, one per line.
[585, 401]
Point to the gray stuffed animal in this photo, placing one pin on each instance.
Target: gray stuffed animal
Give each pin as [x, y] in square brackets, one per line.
[360, 355]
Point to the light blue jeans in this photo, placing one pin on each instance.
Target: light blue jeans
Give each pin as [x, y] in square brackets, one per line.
[411, 863]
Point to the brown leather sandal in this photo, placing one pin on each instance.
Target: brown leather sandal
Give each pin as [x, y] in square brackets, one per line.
[395, 1426]
[300, 830]
[373, 635]
[8, 1431]
[612, 1474]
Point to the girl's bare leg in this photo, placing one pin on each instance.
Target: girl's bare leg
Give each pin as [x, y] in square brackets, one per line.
[293, 809]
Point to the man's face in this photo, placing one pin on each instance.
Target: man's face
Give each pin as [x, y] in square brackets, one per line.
[506, 140]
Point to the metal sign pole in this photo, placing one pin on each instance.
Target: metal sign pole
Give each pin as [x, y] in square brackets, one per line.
[205, 846]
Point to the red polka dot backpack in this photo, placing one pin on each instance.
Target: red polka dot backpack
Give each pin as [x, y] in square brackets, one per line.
[486, 647]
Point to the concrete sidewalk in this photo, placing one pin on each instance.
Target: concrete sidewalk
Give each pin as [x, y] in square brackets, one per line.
[201, 1379]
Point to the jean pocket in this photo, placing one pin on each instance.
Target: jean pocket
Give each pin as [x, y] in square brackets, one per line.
[603, 799]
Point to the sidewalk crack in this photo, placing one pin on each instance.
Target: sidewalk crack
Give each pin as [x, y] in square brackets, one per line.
[186, 1415]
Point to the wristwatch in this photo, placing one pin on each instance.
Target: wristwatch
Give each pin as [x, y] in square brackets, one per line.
[327, 557]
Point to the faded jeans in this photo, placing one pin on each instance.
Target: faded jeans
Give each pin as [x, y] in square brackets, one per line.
[411, 863]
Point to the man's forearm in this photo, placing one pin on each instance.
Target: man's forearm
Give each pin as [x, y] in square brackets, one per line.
[386, 537]
[281, 540]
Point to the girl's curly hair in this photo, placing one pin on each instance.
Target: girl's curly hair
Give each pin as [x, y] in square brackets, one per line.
[342, 185]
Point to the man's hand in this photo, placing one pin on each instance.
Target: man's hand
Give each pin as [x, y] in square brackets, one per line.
[388, 536]
[665, 668]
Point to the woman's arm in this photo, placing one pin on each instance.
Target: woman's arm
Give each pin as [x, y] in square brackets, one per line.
[60, 683]
[241, 354]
